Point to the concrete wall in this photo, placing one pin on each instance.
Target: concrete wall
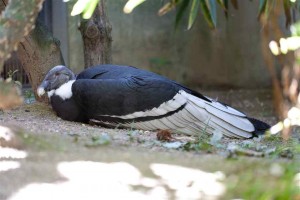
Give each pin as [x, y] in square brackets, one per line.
[227, 57]
[75, 45]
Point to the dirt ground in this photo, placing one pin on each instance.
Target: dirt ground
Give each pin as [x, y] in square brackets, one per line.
[58, 159]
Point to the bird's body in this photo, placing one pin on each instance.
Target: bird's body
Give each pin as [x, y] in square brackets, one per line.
[123, 96]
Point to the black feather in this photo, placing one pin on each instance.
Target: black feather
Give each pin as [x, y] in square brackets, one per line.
[260, 126]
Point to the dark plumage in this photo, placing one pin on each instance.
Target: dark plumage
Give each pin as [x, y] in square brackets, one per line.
[130, 97]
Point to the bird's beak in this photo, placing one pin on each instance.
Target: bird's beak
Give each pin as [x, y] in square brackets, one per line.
[41, 89]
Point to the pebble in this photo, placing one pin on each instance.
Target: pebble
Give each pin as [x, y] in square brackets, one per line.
[276, 170]
[173, 145]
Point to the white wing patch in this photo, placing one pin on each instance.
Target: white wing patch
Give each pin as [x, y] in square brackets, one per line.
[65, 90]
[198, 116]
[169, 106]
[224, 108]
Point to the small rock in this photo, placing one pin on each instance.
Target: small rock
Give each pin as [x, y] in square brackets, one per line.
[232, 147]
[173, 145]
[276, 170]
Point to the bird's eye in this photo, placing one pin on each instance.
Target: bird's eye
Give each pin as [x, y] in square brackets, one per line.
[56, 73]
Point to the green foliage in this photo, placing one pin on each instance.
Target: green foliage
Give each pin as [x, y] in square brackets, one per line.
[262, 7]
[266, 6]
[168, 7]
[99, 140]
[84, 7]
[29, 96]
[295, 29]
[204, 146]
[131, 4]
[208, 9]
[39, 142]
[263, 186]
[182, 6]
[89, 9]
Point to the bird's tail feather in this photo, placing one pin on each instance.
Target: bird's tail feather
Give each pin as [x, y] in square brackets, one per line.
[226, 119]
[210, 121]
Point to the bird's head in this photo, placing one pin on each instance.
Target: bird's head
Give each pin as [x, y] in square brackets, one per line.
[55, 78]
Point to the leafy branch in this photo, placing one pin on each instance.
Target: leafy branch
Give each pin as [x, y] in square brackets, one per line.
[208, 8]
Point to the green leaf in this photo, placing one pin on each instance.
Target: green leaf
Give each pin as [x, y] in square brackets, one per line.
[131, 4]
[265, 8]
[79, 7]
[287, 12]
[86, 7]
[193, 13]
[262, 7]
[295, 29]
[222, 3]
[89, 10]
[209, 11]
[165, 9]
[182, 7]
[213, 10]
[226, 8]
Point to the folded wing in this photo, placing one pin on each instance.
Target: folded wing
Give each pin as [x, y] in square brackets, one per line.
[150, 104]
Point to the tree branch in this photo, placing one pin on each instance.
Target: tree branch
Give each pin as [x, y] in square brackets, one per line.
[16, 21]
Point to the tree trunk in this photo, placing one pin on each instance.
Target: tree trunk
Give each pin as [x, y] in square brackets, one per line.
[38, 53]
[96, 35]
[285, 87]
[270, 64]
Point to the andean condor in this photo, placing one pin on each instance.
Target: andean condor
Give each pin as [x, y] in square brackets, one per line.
[124, 96]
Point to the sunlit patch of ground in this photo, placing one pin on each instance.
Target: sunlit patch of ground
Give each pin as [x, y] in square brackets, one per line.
[121, 180]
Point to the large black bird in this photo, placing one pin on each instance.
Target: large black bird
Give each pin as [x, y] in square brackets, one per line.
[124, 96]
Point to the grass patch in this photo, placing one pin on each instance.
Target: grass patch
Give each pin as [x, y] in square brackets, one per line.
[259, 180]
